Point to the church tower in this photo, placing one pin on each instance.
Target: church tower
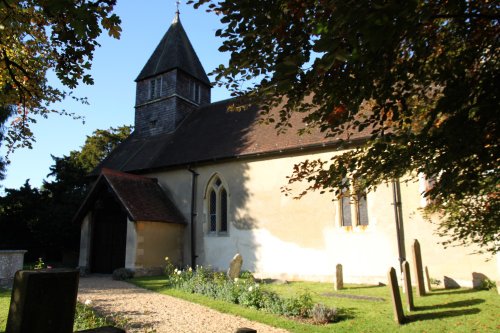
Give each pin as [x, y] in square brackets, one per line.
[171, 85]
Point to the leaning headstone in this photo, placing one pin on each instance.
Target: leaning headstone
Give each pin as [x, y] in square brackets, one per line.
[339, 277]
[427, 280]
[419, 272]
[235, 266]
[396, 296]
[407, 282]
[43, 301]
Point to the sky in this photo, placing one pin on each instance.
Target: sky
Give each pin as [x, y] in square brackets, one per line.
[115, 66]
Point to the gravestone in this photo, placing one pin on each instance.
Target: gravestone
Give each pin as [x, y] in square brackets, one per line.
[10, 262]
[235, 266]
[409, 290]
[43, 301]
[339, 277]
[396, 296]
[419, 272]
[427, 280]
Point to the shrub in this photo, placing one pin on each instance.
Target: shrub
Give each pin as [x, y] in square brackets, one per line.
[122, 274]
[298, 306]
[322, 314]
[244, 291]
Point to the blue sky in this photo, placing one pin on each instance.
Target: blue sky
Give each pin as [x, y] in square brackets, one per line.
[115, 66]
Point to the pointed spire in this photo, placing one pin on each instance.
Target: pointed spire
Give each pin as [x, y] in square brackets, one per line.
[174, 51]
[177, 12]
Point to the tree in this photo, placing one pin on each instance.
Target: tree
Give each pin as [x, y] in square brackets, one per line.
[420, 75]
[40, 219]
[38, 36]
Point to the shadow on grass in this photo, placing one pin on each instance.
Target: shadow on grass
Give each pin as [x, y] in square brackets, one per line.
[453, 291]
[440, 315]
[457, 304]
[363, 287]
[345, 314]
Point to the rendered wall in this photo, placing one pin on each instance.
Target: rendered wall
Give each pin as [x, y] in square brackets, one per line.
[85, 242]
[155, 241]
[280, 237]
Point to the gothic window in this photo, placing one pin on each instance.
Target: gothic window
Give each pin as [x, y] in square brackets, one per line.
[217, 207]
[353, 209]
[345, 210]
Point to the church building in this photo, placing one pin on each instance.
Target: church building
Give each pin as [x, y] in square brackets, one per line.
[197, 183]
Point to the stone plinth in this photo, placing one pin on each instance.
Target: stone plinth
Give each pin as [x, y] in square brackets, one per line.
[10, 262]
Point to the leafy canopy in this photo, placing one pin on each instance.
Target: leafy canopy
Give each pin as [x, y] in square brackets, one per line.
[420, 75]
[40, 219]
[38, 36]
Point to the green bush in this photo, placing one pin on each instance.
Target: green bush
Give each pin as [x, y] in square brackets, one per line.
[322, 314]
[243, 291]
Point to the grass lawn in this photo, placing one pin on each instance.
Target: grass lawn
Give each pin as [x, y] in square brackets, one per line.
[458, 310]
[4, 307]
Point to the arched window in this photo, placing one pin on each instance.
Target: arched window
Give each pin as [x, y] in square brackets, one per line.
[353, 209]
[217, 207]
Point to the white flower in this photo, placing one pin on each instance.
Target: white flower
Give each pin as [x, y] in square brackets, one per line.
[190, 269]
[179, 272]
[236, 279]
[166, 258]
[250, 288]
[87, 302]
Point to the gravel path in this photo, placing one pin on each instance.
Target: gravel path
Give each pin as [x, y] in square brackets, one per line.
[147, 311]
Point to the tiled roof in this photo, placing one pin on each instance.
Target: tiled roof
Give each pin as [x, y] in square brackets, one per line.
[214, 133]
[141, 197]
[174, 51]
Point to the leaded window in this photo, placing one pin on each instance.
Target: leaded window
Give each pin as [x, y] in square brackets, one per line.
[217, 204]
[353, 209]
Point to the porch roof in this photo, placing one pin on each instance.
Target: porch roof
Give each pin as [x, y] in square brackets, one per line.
[141, 197]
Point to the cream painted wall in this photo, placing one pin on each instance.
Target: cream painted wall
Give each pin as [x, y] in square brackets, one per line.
[131, 245]
[457, 263]
[155, 241]
[280, 237]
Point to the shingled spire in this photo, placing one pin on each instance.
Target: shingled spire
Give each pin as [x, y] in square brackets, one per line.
[174, 51]
[172, 84]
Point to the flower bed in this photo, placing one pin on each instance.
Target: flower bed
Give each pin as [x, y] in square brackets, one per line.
[245, 291]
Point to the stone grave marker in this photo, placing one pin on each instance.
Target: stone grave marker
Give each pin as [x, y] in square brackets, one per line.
[427, 280]
[235, 266]
[10, 262]
[419, 272]
[43, 301]
[409, 290]
[396, 296]
[339, 277]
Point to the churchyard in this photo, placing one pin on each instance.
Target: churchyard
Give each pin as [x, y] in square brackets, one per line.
[360, 308]
[363, 308]
[294, 306]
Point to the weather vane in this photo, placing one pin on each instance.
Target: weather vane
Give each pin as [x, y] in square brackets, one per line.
[178, 2]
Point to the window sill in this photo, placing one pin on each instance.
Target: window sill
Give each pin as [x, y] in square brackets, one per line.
[217, 234]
